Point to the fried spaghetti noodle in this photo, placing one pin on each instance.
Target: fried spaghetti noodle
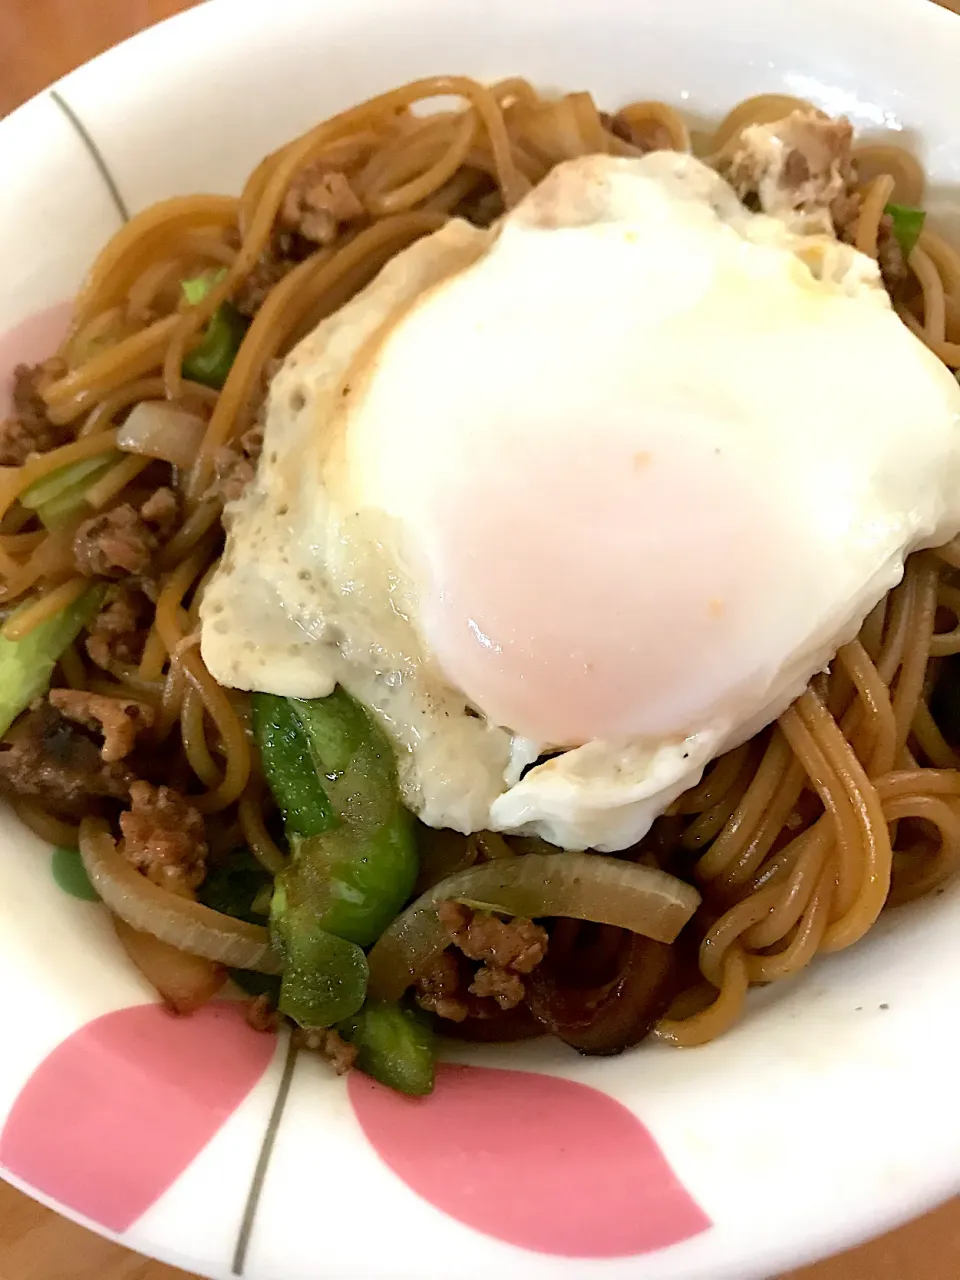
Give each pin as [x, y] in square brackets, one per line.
[796, 840]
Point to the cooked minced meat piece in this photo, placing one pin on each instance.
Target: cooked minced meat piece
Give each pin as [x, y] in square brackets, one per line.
[516, 944]
[115, 543]
[58, 765]
[439, 988]
[164, 837]
[506, 950]
[235, 465]
[331, 1045]
[319, 201]
[118, 720]
[28, 429]
[502, 985]
[801, 164]
[893, 265]
[119, 631]
[160, 511]
[845, 212]
[261, 1015]
[269, 270]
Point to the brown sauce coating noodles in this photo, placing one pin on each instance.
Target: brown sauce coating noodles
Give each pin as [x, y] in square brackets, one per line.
[796, 840]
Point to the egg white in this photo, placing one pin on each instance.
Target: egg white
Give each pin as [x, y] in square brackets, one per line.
[612, 481]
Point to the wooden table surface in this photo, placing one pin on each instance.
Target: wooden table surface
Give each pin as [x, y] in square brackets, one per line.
[39, 41]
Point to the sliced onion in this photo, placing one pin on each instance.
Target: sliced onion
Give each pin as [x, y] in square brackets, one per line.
[187, 925]
[156, 429]
[615, 1014]
[584, 886]
[185, 982]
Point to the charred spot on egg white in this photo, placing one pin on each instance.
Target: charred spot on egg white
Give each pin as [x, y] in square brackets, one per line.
[563, 570]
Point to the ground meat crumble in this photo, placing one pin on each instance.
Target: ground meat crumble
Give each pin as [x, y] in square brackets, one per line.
[160, 511]
[164, 837]
[804, 165]
[115, 543]
[118, 720]
[28, 429]
[800, 164]
[498, 984]
[506, 949]
[261, 1015]
[318, 202]
[440, 988]
[235, 465]
[331, 1045]
[517, 944]
[55, 763]
[893, 265]
[269, 270]
[119, 631]
[845, 211]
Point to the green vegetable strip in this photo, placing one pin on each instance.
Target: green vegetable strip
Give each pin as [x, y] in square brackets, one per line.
[394, 1045]
[235, 886]
[360, 873]
[211, 360]
[70, 874]
[324, 977]
[26, 665]
[61, 494]
[57, 482]
[291, 771]
[196, 290]
[347, 882]
[239, 886]
[907, 225]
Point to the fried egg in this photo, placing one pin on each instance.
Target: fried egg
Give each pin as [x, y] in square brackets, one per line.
[579, 502]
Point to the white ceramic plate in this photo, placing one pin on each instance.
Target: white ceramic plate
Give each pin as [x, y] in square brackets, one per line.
[828, 1115]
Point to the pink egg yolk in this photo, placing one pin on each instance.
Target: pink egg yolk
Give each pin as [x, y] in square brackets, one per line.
[632, 601]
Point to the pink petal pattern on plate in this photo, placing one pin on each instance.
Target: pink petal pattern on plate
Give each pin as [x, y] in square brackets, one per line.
[29, 342]
[116, 1113]
[535, 1160]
